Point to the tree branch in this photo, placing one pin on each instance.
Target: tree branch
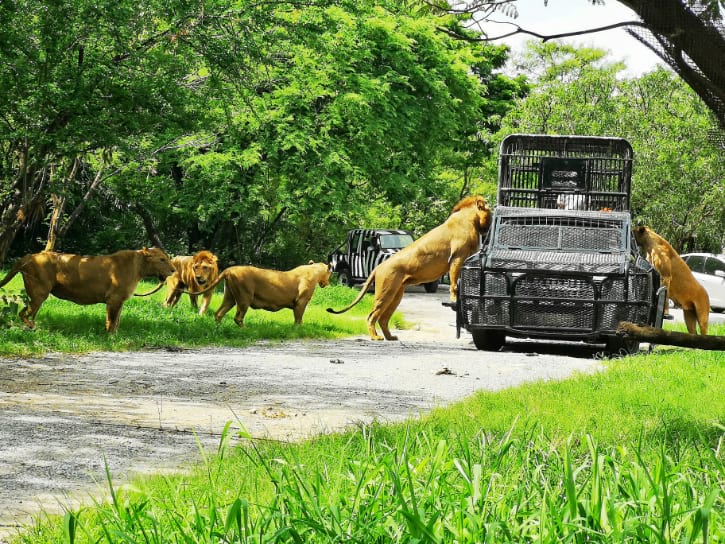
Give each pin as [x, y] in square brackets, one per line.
[542, 37]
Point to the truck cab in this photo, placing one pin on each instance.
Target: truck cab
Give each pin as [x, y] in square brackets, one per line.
[560, 260]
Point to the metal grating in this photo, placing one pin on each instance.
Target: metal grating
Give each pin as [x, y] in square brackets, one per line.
[532, 301]
[574, 172]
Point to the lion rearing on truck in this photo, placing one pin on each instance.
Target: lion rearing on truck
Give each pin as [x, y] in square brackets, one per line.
[443, 249]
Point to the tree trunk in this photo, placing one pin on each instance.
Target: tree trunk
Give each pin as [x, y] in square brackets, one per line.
[670, 338]
[58, 204]
[148, 222]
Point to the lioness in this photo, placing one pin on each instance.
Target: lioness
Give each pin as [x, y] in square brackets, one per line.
[682, 287]
[444, 248]
[192, 272]
[271, 290]
[84, 279]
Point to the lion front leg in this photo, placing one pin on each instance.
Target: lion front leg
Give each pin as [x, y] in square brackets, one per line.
[113, 316]
[299, 311]
[173, 292]
[205, 301]
[454, 273]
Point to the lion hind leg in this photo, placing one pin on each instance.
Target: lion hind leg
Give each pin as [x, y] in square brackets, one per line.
[241, 312]
[227, 304]
[388, 311]
[703, 315]
[690, 316]
[37, 295]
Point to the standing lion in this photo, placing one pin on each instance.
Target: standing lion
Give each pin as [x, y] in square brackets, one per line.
[443, 249]
[192, 273]
[682, 287]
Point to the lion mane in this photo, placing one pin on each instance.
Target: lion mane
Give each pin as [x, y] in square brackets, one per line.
[192, 273]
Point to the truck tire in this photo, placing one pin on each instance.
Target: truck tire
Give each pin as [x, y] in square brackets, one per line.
[488, 340]
[431, 287]
[345, 277]
[621, 346]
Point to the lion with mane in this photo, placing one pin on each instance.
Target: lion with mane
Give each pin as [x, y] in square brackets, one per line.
[192, 273]
[443, 249]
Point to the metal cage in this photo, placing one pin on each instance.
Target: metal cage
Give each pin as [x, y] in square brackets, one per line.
[570, 172]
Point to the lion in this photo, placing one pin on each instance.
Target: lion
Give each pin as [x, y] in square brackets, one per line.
[83, 279]
[271, 290]
[443, 249]
[192, 273]
[682, 287]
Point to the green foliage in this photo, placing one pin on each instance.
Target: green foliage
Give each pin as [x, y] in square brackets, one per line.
[241, 128]
[677, 185]
[10, 305]
[595, 458]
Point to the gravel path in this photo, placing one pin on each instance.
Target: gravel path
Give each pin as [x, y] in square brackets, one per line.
[61, 416]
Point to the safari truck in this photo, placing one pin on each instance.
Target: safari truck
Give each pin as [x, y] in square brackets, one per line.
[560, 260]
[364, 249]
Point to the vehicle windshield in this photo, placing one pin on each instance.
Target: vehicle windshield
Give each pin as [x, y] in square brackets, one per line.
[395, 241]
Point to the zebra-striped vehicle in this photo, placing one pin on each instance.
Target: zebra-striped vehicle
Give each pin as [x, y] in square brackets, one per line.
[364, 249]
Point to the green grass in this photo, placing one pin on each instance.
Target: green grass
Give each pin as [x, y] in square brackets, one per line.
[631, 454]
[63, 326]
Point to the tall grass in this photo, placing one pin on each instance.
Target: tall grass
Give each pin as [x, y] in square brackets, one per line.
[632, 454]
[63, 326]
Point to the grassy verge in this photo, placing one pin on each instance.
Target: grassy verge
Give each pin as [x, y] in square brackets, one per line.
[632, 454]
[63, 326]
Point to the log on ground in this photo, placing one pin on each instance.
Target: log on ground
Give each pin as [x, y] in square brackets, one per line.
[670, 338]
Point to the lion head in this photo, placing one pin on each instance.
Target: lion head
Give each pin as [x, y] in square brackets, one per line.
[156, 263]
[205, 267]
[482, 218]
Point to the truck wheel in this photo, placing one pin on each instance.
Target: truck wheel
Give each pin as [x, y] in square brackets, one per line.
[621, 346]
[431, 287]
[488, 340]
[345, 277]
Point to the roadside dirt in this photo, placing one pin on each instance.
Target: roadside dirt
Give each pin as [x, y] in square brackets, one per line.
[62, 417]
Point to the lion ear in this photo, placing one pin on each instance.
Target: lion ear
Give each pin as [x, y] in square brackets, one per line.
[311, 262]
[481, 203]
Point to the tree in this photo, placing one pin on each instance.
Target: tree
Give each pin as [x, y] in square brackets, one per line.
[688, 35]
[677, 180]
[329, 114]
[80, 80]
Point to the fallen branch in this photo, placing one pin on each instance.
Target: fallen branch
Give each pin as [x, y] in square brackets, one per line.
[670, 338]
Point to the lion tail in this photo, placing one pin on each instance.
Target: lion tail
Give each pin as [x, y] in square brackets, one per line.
[361, 294]
[159, 286]
[210, 287]
[19, 264]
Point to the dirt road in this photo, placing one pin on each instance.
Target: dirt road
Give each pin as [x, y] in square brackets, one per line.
[62, 415]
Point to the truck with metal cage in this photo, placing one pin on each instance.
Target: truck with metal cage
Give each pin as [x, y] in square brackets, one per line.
[560, 260]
